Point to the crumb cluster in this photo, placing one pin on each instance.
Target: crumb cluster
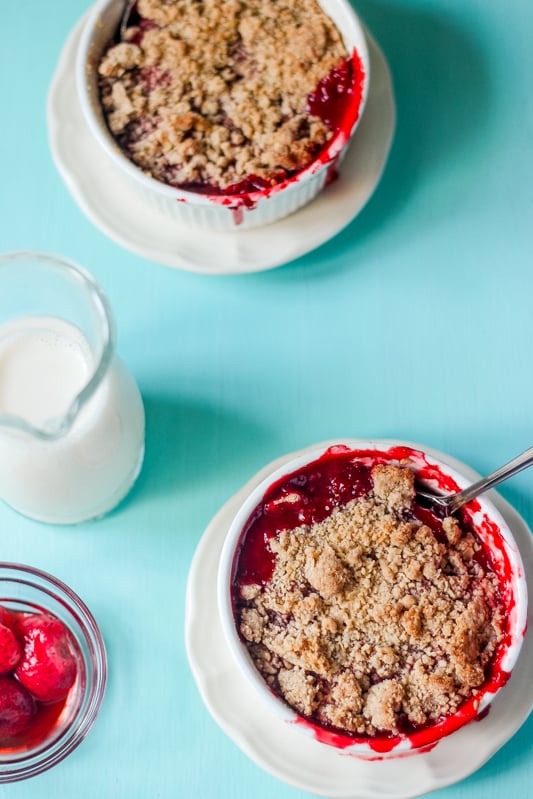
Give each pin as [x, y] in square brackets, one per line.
[369, 622]
[214, 92]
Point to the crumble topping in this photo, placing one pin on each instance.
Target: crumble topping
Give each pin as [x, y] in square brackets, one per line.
[212, 93]
[371, 622]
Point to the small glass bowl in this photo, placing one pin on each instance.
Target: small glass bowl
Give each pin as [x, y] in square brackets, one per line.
[27, 590]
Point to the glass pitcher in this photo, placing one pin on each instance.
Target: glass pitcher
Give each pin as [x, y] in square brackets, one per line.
[71, 415]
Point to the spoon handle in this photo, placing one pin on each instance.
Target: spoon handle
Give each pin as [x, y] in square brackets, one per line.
[508, 470]
[128, 9]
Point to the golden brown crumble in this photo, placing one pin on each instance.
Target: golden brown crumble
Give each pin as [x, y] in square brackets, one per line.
[369, 622]
[212, 93]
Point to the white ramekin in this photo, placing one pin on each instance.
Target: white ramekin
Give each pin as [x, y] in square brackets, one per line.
[497, 539]
[215, 212]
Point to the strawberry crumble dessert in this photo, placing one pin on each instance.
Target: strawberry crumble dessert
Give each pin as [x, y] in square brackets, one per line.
[38, 668]
[364, 611]
[226, 97]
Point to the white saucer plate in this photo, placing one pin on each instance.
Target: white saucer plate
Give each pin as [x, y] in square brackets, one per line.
[106, 198]
[301, 761]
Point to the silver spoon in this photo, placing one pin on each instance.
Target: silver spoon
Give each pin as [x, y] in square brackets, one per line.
[453, 502]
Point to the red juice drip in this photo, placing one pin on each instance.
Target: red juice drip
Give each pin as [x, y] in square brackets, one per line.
[236, 197]
[238, 215]
[249, 184]
[332, 174]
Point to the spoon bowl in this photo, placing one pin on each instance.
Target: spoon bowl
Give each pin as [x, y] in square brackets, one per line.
[452, 502]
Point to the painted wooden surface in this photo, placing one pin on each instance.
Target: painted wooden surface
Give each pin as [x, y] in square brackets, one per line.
[416, 322]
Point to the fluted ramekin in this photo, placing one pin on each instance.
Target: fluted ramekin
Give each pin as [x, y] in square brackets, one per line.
[498, 544]
[219, 212]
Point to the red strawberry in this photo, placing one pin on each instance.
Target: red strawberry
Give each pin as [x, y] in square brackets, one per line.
[5, 617]
[10, 650]
[17, 707]
[48, 666]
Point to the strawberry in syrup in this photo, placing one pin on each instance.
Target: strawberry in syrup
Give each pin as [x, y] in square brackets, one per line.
[10, 649]
[6, 617]
[48, 666]
[17, 707]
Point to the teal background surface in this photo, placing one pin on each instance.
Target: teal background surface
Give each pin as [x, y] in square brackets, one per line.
[415, 322]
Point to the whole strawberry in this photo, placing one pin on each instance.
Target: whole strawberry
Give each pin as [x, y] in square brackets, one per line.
[48, 666]
[10, 650]
[17, 707]
[6, 617]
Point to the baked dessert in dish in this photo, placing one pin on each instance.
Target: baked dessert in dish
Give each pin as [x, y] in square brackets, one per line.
[222, 147]
[367, 613]
[230, 97]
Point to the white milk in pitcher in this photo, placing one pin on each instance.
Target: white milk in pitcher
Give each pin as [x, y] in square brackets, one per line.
[44, 363]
